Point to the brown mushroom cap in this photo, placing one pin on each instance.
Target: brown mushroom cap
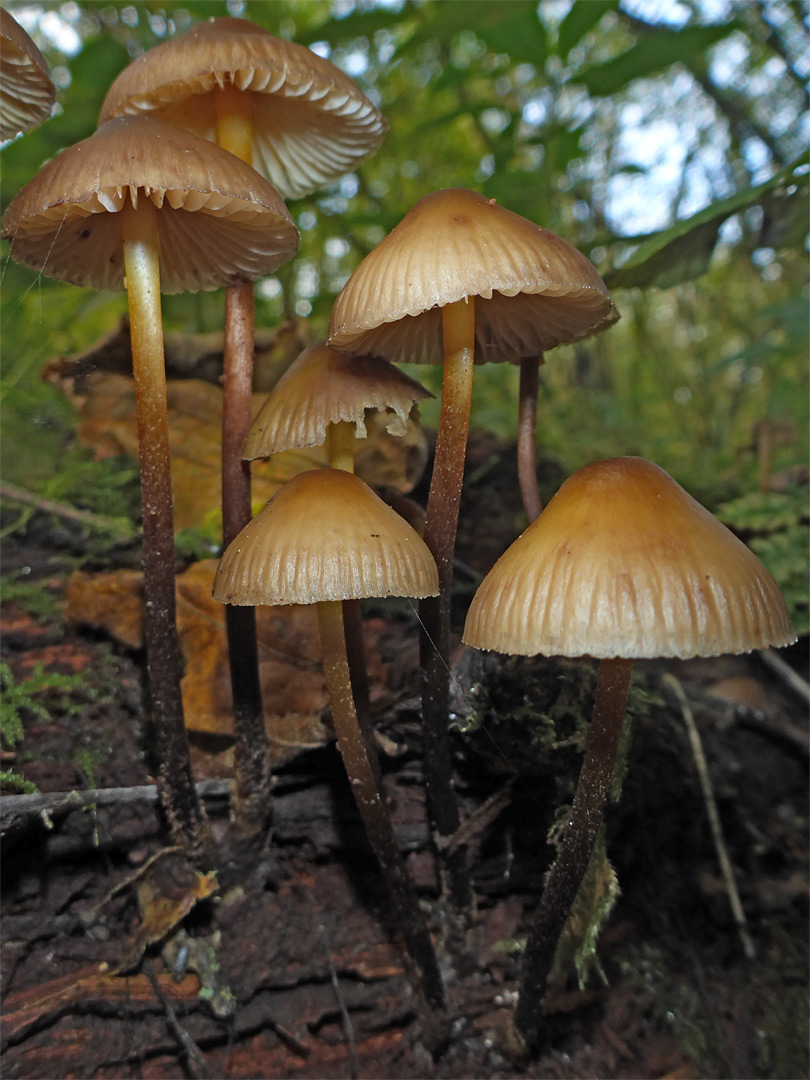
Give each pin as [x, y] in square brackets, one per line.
[220, 222]
[624, 563]
[27, 92]
[325, 536]
[533, 290]
[325, 387]
[311, 122]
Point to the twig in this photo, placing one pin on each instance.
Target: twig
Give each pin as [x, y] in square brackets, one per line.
[119, 527]
[58, 802]
[714, 818]
[196, 1061]
[786, 673]
[346, 1019]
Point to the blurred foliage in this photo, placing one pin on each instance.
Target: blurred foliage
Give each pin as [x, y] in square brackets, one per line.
[774, 525]
[667, 141]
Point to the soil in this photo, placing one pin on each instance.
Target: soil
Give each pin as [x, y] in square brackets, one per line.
[289, 969]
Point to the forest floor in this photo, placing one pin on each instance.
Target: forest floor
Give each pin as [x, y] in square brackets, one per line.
[286, 969]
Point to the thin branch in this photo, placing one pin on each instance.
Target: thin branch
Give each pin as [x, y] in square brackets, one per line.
[714, 818]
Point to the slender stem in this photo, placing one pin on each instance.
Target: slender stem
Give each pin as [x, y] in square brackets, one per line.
[572, 860]
[458, 322]
[252, 766]
[340, 442]
[357, 758]
[341, 445]
[527, 436]
[234, 112]
[142, 267]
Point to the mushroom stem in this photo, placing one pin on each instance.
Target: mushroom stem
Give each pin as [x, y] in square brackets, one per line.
[357, 758]
[253, 779]
[142, 268]
[340, 442]
[341, 445]
[527, 436]
[252, 766]
[458, 326]
[565, 878]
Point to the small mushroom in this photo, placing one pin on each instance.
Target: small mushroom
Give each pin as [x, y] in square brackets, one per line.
[324, 538]
[27, 92]
[145, 206]
[622, 564]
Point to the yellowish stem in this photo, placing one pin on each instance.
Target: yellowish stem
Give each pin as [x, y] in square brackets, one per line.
[235, 122]
[142, 268]
[341, 445]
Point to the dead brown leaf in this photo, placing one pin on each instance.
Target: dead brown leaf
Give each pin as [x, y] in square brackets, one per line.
[293, 687]
[108, 424]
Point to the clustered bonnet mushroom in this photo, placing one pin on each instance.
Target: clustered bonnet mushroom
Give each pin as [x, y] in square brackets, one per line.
[301, 122]
[324, 538]
[145, 206]
[459, 281]
[27, 92]
[622, 564]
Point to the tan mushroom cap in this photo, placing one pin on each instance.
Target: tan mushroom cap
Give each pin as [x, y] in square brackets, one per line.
[325, 387]
[311, 122]
[624, 563]
[220, 222]
[533, 290]
[27, 92]
[325, 536]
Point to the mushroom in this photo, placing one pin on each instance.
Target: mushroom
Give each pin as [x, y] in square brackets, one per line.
[461, 280]
[323, 538]
[146, 206]
[301, 122]
[622, 564]
[323, 397]
[27, 92]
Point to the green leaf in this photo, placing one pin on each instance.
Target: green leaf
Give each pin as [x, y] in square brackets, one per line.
[583, 17]
[512, 28]
[683, 251]
[362, 23]
[654, 53]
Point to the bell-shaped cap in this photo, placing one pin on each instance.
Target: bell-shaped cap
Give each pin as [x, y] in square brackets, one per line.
[27, 92]
[311, 122]
[325, 387]
[220, 222]
[533, 290]
[624, 563]
[325, 536]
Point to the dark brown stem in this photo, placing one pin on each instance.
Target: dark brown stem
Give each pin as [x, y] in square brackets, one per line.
[441, 523]
[357, 757]
[141, 259]
[572, 860]
[527, 436]
[252, 766]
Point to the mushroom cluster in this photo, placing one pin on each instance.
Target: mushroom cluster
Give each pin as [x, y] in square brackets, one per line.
[182, 188]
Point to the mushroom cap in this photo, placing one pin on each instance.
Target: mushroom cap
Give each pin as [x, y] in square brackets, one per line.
[325, 536]
[624, 563]
[219, 221]
[533, 290]
[27, 92]
[311, 122]
[325, 387]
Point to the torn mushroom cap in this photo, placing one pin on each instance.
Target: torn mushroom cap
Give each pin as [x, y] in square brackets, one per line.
[325, 536]
[311, 122]
[533, 290]
[27, 92]
[624, 563]
[220, 222]
[325, 387]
